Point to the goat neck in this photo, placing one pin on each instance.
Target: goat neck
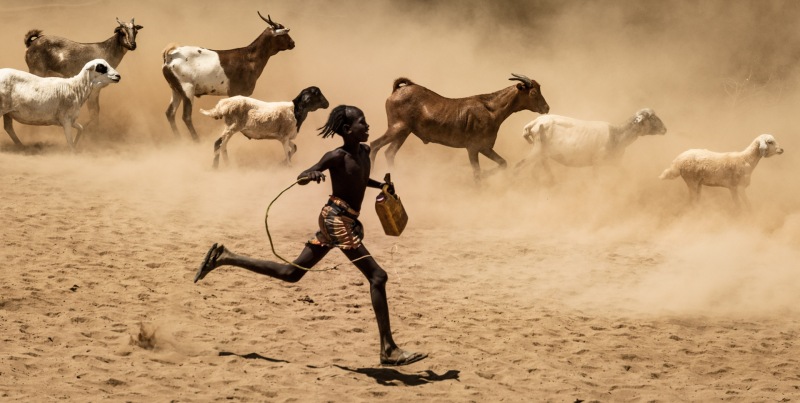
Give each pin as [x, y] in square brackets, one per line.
[260, 50]
[621, 136]
[752, 154]
[78, 87]
[501, 104]
[300, 112]
[113, 50]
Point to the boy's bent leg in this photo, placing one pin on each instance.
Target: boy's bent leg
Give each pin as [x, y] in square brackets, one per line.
[377, 277]
[218, 255]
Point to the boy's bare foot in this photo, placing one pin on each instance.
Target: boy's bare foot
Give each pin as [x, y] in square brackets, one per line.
[210, 262]
[400, 357]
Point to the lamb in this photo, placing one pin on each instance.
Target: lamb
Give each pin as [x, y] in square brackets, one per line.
[732, 170]
[48, 101]
[580, 143]
[264, 120]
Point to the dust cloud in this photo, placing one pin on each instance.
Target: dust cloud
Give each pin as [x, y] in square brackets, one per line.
[718, 73]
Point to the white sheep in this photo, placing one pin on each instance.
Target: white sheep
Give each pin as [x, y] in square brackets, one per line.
[732, 170]
[50, 101]
[580, 143]
[264, 120]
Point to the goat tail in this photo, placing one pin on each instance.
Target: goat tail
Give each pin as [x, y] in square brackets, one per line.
[402, 81]
[215, 113]
[31, 36]
[670, 173]
[172, 46]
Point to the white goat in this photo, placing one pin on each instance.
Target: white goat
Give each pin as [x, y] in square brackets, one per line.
[50, 101]
[579, 143]
[264, 120]
[732, 170]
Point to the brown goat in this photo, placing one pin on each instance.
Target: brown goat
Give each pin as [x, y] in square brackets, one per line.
[192, 71]
[470, 123]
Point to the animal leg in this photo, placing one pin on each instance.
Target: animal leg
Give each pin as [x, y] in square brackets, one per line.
[289, 148]
[93, 104]
[79, 129]
[221, 146]
[494, 156]
[187, 118]
[68, 134]
[694, 191]
[8, 124]
[476, 167]
[391, 152]
[739, 199]
[388, 137]
[172, 109]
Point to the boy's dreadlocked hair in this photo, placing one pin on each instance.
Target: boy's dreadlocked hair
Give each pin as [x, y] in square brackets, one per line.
[336, 121]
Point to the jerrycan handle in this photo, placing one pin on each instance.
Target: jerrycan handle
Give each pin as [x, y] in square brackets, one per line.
[387, 179]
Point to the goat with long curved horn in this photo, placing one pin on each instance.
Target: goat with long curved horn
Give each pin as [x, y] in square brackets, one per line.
[525, 80]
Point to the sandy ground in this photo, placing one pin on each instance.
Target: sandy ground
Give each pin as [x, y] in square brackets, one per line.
[603, 287]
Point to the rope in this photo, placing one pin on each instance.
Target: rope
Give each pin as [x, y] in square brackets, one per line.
[272, 245]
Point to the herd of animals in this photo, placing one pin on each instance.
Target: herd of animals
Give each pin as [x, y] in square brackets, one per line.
[63, 75]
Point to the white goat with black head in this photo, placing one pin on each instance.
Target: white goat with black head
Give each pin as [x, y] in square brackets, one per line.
[699, 167]
[50, 101]
[53, 56]
[264, 120]
[192, 71]
[580, 143]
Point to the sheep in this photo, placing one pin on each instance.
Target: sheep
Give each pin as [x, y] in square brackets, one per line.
[732, 170]
[192, 72]
[48, 101]
[53, 56]
[580, 143]
[470, 123]
[264, 120]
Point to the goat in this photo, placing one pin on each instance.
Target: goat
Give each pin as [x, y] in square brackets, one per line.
[264, 120]
[580, 143]
[48, 101]
[732, 170]
[192, 72]
[53, 56]
[470, 123]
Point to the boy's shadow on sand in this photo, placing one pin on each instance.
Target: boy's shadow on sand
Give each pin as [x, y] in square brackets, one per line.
[393, 377]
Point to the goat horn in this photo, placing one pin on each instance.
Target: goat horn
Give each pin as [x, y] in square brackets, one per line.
[518, 77]
[118, 21]
[267, 20]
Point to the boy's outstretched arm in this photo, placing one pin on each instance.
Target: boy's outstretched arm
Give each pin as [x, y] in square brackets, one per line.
[315, 172]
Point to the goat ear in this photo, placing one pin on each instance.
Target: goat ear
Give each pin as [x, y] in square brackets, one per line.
[521, 86]
[762, 147]
[138, 27]
[118, 29]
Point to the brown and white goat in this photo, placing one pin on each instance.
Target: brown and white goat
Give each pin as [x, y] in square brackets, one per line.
[53, 56]
[470, 123]
[192, 71]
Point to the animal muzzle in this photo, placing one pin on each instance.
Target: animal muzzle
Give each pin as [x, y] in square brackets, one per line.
[779, 151]
[544, 109]
[115, 77]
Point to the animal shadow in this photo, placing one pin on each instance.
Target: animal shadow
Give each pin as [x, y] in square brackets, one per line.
[37, 148]
[251, 356]
[393, 377]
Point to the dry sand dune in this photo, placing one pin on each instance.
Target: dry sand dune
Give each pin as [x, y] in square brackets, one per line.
[604, 287]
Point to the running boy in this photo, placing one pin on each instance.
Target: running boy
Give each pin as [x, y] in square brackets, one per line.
[349, 167]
